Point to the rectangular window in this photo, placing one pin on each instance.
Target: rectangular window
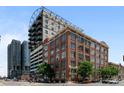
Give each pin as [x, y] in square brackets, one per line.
[73, 63]
[63, 37]
[72, 46]
[52, 43]
[46, 16]
[102, 49]
[52, 23]
[80, 39]
[80, 56]
[46, 26]
[80, 48]
[52, 29]
[46, 54]
[59, 27]
[93, 44]
[92, 59]
[97, 61]
[51, 59]
[87, 58]
[57, 45]
[97, 47]
[72, 36]
[88, 43]
[92, 52]
[63, 55]
[63, 46]
[45, 47]
[46, 31]
[63, 64]
[52, 52]
[87, 50]
[57, 49]
[73, 54]
[46, 21]
[57, 57]
[73, 70]
[52, 33]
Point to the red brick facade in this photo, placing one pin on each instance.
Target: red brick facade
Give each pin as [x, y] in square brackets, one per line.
[69, 47]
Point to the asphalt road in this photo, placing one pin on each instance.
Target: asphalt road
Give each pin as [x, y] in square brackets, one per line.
[22, 83]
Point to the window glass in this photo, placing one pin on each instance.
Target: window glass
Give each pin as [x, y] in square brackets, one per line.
[63, 46]
[46, 31]
[80, 56]
[72, 54]
[93, 44]
[63, 55]
[73, 63]
[63, 37]
[72, 46]
[46, 21]
[72, 36]
[57, 57]
[80, 39]
[87, 50]
[80, 47]
[51, 52]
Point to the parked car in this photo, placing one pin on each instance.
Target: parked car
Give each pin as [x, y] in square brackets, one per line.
[105, 81]
[113, 82]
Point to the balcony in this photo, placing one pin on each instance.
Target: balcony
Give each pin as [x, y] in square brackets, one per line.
[32, 38]
[39, 38]
[39, 28]
[34, 24]
[39, 33]
[38, 23]
[30, 30]
[30, 34]
[39, 17]
[30, 47]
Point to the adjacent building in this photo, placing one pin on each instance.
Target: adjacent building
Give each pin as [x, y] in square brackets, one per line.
[14, 59]
[120, 68]
[70, 47]
[44, 24]
[18, 59]
[25, 62]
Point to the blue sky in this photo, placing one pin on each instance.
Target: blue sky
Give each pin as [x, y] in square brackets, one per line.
[101, 23]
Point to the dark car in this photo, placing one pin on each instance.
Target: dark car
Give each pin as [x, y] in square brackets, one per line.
[105, 81]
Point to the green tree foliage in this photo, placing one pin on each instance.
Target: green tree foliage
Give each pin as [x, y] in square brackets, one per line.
[45, 71]
[85, 69]
[108, 72]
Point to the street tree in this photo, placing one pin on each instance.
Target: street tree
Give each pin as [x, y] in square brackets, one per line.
[45, 71]
[108, 72]
[84, 69]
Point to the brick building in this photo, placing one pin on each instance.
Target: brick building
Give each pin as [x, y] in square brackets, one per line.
[70, 47]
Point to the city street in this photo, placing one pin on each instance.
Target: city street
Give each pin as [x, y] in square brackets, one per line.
[22, 83]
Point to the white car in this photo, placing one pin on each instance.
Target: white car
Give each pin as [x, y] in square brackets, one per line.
[113, 82]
